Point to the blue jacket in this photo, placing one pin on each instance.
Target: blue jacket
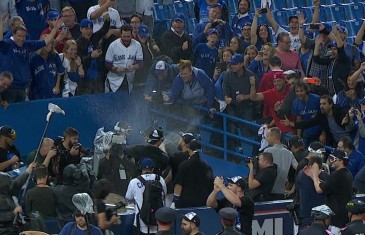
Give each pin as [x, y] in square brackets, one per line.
[225, 33]
[154, 85]
[203, 97]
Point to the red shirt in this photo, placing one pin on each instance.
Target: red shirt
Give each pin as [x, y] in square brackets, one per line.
[289, 60]
[61, 44]
[267, 83]
[271, 98]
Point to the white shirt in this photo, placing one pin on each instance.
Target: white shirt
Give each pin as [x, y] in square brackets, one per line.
[121, 56]
[135, 192]
[98, 23]
[295, 41]
[144, 7]
[70, 86]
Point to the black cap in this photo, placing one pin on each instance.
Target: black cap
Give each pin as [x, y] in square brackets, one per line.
[155, 136]
[356, 206]
[238, 180]
[295, 141]
[192, 217]
[228, 214]
[194, 145]
[340, 154]
[165, 215]
[7, 131]
[187, 137]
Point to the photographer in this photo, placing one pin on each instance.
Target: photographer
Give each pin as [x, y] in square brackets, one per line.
[69, 152]
[261, 184]
[105, 217]
[8, 208]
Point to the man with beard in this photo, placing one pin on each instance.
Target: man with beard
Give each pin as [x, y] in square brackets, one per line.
[333, 119]
[80, 226]
[305, 107]
[68, 152]
[5, 81]
[182, 155]
[190, 224]
[337, 188]
[123, 57]
[242, 18]
[9, 154]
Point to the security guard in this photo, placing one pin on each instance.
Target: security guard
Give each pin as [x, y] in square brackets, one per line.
[356, 211]
[165, 217]
[228, 218]
[322, 219]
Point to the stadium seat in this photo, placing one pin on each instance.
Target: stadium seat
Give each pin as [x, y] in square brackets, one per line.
[181, 7]
[329, 2]
[190, 6]
[308, 3]
[291, 12]
[333, 13]
[232, 7]
[277, 5]
[350, 25]
[161, 12]
[281, 17]
[255, 4]
[273, 36]
[308, 13]
[262, 20]
[190, 25]
[171, 10]
[291, 3]
[352, 11]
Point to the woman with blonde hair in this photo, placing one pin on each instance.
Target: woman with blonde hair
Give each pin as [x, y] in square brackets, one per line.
[250, 54]
[73, 68]
[46, 69]
[260, 64]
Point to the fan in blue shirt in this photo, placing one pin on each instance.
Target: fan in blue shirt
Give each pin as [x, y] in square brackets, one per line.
[206, 54]
[305, 107]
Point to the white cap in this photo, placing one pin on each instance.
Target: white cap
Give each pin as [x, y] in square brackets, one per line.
[160, 65]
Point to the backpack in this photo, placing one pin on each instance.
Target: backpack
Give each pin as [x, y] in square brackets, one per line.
[152, 200]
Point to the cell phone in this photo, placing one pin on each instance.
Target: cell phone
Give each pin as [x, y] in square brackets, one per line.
[215, 24]
[64, 28]
[263, 10]
[312, 81]
[314, 26]
[222, 66]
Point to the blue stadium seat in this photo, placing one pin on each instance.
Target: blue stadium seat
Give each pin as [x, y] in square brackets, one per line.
[190, 25]
[232, 7]
[273, 36]
[291, 3]
[308, 3]
[281, 17]
[329, 2]
[181, 7]
[333, 13]
[255, 4]
[350, 40]
[346, 1]
[262, 20]
[190, 6]
[277, 5]
[171, 10]
[308, 13]
[352, 11]
[161, 12]
[350, 25]
[291, 12]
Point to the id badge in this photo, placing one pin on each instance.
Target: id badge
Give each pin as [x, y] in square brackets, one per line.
[122, 174]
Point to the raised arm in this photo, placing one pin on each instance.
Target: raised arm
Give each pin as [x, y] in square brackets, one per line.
[254, 27]
[272, 21]
[301, 20]
[316, 4]
[51, 35]
[253, 95]
[360, 34]
[103, 8]
[355, 76]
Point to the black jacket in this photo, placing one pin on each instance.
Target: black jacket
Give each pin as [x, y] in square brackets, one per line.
[171, 46]
[321, 119]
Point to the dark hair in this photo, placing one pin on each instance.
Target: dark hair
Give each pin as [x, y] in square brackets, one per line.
[359, 88]
[240, 49]
[7, 75]
[327, 98]
[70, 131]
[248, 2]
[316, 145]
[126, 28]
[102, 188]
[19, 27]
[275, 61]
[315, 159]
[281, 35]
[258, 33]
[347, 142]
[300, 84]
[267, 157]
[138, 16]
[40, 171]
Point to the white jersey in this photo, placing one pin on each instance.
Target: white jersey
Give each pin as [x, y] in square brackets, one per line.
[121, 56]
[70, 86]
[135, 192]
[98, 23]
[295, 41]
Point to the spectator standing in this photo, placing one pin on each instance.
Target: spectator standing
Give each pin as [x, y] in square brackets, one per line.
[17, 52]
[41, 193]
[33, 14]
[274, 71]
[351, 50]
[261, 184]
[358, 115]
[241, 18]
[135, 21]
[201, 9]
[296, 146]
[145, 8]
[126, 9]
[74, 70]
[356, 159]
[260, 34]
[135, 194]
[234, 196]
[206, 54]
[80, 226]
[6, 79]
[246, 35]
[8, 6]
[193, 175]
[123, 58]
[261, 64]
[359, 180]
[165, 217]
[337, 188]
[47, 70]
[175, 42]
[322, 217]
[69, 18]
[283, 158]
[356, 209]
[9, 154]
[228, 217]
[190, 224]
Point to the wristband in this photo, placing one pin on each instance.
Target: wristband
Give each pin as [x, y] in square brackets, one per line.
[176, 198]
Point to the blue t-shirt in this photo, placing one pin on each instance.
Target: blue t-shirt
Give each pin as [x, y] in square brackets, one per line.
[17, 60]
[357, 161]
[44, 76]
[307, 111]
[33, 14]
[304, 59]
[205, 58]
[257, 67]
[71, 229]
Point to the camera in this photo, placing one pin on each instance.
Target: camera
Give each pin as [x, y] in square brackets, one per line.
[112, 209]
[82, 149]
[314, 26]
[263, 10]
[60, 151]
[215, 24]
[250, 159]
[222, 66]
[293, 209]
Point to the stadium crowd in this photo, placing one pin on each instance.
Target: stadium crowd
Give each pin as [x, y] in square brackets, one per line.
[305, 80]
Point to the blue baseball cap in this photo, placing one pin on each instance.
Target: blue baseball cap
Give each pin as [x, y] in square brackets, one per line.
[248, 23]
[179, 17]
[309, 34]
[332, 44]
[147, 163]
[142, 31]
[215, 5]
[237, 59]
[86, 23]
[211, 31]
[53, 15]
